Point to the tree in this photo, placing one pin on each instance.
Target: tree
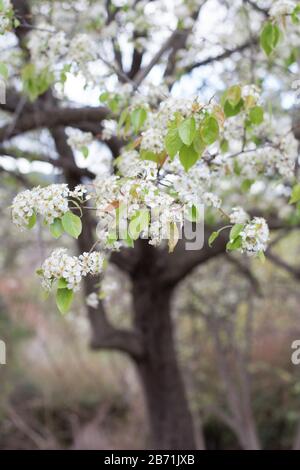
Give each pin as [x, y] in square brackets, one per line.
[168, 154]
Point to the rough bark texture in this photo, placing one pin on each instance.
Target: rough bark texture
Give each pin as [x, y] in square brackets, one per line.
[170, 420]
[169, 417]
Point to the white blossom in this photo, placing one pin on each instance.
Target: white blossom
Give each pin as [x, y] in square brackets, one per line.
[60, 265]
[255, 236]
[78, 139]
[91, 262]
[238, 215]
[281, 8]
[82, 49]
[153, 141]
[50, 202]
[131, 165]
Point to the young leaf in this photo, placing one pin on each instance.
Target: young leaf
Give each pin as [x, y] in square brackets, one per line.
[295, 14]
[72, 224]
[31, 221]
[187, 130]
[193, 214]
[104, 97]
[246, 185]
[148, 155]
[138, 117]
[173, 142]
[3, 70]
[56, 228]
[230, 110]
[295, 196]
[199, 144]
[36, 82]
[234, 244]
[64, 298]
[234, 95]
[62, 283]
[188, 156]
[212, 238]
[85, 151]
[209, 130]
[138, 223]
[269, 37]
[256, 115]
[235, 231]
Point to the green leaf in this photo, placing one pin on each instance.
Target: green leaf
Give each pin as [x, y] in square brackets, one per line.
[56, 228]
[234, 95]
[246, 185]
[64, 298]
[104, 97]
[224, 146]
[230, 110]
[148, 155]
[193, 214]
[269, 37]
[295, 196]
[209, 130]
[138, 117]
[296, 14]
[212, 238]
[62, 283]
[36, 82]
[31, 221]
[72, 224]
[261, 256]
[173, 142]
[128, 240]
[123, 118]
[234, 244]
[139, 222]
[199, 144]
[187, 130]
[3, 70]
[236, 168]
[64, 72]
[85, 151]
[235, 231]
[256, 115]
[188, 156]
[235, 240]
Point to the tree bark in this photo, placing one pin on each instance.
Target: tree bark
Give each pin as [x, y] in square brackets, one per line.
[170, 420]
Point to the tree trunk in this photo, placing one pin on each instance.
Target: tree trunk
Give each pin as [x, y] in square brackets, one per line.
[171, 425]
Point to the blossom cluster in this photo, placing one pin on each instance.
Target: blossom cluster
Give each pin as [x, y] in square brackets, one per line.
[50, 202]
[255, 236]
[60, 265]
[130, 165]
[79, 140]
[282, 8]
[54, 51]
